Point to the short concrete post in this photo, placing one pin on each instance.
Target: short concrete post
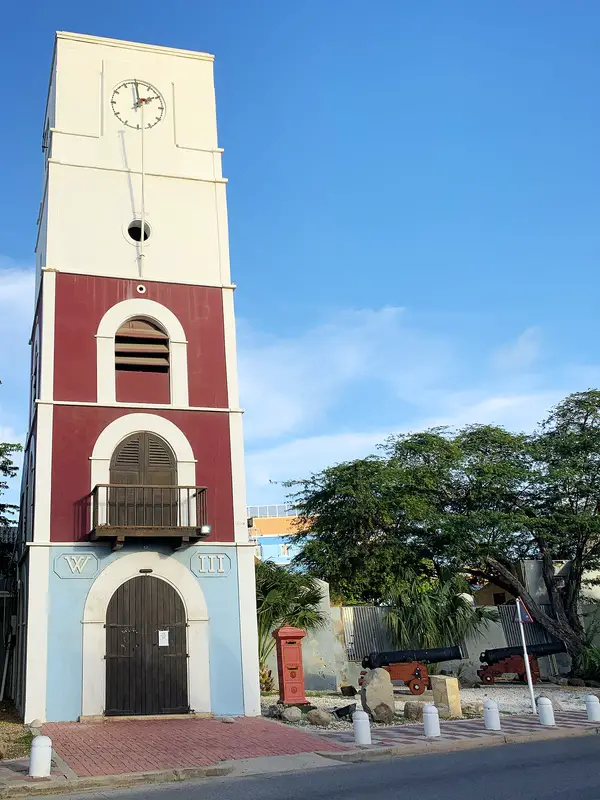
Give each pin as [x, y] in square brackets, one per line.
[592, 706]
[491, 715]
[545, 711]
[40, 760]
[431, 721]
[362, 728]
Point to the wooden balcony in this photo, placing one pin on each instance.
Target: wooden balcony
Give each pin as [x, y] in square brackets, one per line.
[176, 513]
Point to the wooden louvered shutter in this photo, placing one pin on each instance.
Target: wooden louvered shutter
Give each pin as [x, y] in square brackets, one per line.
[141, 346]
[144, 461]
[126, 469]
[127, 462]
[160, 470]
[159, 462]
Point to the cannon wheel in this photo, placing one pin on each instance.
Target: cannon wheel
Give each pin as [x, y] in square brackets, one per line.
[416, 686]
[487, 678]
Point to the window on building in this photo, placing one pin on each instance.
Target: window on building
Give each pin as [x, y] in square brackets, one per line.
[141, 346]
[284, 550]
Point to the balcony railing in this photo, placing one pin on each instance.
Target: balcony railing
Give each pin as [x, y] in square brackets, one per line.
[130, 511]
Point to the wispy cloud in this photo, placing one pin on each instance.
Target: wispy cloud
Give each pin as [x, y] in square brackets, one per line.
[521, 353]
[288, 384]
[407, 363]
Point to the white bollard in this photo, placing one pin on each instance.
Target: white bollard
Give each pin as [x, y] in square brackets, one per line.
[362, 728]
[545, 711]
[431, 721]
[491, 715]
[40, 760]
[592, 706]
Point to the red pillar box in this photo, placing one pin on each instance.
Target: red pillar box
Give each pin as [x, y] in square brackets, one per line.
[289, 665]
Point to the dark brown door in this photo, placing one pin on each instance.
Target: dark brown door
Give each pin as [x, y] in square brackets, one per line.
[146, 653]
[143, 461]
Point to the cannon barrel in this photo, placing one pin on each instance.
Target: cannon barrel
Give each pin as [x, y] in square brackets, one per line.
[548, 649]
[433, 656]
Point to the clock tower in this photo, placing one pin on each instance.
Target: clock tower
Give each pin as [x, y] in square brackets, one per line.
[136, 584]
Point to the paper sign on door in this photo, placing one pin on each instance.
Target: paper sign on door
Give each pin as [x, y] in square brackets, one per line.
[163, 638]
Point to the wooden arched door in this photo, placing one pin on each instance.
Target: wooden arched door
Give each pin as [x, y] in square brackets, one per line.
[146, 649]
[145, 463]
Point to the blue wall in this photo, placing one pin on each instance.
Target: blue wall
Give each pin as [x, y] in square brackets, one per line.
[270, 547]
[67, 598]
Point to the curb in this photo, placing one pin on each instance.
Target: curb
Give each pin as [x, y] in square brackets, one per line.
[493, 740]
[43, 787]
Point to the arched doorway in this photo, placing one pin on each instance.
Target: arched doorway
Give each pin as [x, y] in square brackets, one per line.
[146, 649]
[145, 463]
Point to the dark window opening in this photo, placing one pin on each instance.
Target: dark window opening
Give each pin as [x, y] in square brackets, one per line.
[141, 346]
[499, 598]
[135, 230]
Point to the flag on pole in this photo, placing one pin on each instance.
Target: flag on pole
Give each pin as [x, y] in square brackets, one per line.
[522, 611]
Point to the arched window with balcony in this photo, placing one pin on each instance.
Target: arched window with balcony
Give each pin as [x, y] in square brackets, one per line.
[142, 362]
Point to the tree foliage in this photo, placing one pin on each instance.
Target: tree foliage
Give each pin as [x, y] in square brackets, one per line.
[284, 597]
[426, 614]
[7, 470]
[479, 500]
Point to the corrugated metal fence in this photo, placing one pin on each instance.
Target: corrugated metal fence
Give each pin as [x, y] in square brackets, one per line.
[534, 633]
[365, 631]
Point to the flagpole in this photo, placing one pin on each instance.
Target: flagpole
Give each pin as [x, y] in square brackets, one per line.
[525, 656]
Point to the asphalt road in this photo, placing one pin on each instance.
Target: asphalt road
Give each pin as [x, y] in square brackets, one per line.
[563, 769]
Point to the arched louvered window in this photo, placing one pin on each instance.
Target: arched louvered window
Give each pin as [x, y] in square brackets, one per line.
[144, 459]
[145, 463]
[141, 346]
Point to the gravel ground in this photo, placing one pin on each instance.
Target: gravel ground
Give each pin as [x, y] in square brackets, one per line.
[510, 699]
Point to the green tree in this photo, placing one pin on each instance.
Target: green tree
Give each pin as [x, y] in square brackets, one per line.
[284, 597]
[7, 470]
[435, 613]
[351, 533]
[477, 500]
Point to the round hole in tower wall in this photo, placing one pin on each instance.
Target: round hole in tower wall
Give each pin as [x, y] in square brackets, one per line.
[134, 229]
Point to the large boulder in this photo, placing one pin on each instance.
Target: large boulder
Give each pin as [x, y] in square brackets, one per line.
[383, 713]
[322, 719]
[291, 714]
[413, 710]
[576, 682]
[376, 688]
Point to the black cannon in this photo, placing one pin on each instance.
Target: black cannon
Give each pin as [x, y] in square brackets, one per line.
[409, 665]
[501, 660]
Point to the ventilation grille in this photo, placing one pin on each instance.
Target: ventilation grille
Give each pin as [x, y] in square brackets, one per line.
[129, 454]
[141, 346]
[158, 455]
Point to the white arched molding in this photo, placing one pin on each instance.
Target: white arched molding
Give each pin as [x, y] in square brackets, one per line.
[110, 323]
[106, 584]
[124, 426]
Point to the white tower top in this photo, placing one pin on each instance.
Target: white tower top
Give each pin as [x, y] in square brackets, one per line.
[95, 148]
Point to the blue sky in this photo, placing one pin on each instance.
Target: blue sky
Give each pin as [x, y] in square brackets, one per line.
[414, 204]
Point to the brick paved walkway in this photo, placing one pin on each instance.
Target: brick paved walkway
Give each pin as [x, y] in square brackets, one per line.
[457, 730]
[111, 748]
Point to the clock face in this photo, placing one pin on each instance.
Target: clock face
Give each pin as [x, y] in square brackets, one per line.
[133, 100]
